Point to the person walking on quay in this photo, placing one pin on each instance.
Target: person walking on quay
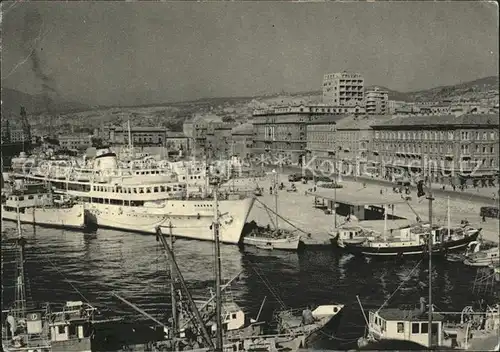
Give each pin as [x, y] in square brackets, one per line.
[271, 190]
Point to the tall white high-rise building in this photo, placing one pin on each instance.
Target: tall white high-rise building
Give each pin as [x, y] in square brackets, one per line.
[343, 89]
[377, 101]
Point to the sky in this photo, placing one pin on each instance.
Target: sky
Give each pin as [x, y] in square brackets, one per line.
[126, 53]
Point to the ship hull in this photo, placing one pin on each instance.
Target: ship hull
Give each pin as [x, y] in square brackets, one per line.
[191, 219]
[71, 218]
[394, 251]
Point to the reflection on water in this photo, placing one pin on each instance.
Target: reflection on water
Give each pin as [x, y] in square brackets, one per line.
[61, 262]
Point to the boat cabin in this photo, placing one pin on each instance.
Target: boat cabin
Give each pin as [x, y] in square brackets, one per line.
[70, 329]
[406, 324]
[233, 317]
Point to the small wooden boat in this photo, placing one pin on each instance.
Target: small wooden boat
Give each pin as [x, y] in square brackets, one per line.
[266, 239]
[483, 258]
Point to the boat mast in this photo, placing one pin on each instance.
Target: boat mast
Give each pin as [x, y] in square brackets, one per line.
[430, 258]
[218, 295]
[192, 305]
[385, 222]
[449, 216]
[172, 291]
[275, 181]
[20, 303]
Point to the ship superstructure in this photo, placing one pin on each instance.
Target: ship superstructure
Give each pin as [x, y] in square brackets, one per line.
[143, 199]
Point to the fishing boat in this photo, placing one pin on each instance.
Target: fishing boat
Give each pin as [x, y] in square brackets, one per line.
[267, 238]
[139, 200]
[219, 323]
[26, 328]
[316, 323]
[32, 203]
[465, 330]
[413, 240]
[351, 235]
[483, 257]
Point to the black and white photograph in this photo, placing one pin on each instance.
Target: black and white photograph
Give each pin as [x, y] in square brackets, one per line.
[250, 176]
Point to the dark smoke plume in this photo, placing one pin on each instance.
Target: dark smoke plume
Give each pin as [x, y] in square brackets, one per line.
[33, 31]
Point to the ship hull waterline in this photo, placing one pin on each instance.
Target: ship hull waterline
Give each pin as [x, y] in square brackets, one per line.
[410, 250]
[67, 218]
[190, 225]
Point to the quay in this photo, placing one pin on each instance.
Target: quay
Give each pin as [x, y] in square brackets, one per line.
[298, 208]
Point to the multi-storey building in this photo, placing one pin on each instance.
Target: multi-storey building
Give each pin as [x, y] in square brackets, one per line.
[75, 141]
[394, 105]
[141, 136]
[281, 132]
[242, 141]
[344, 142]
[377, 101]
[321, 143]
[343, 89]
[178, 141]
[450, 147]
[222, 140]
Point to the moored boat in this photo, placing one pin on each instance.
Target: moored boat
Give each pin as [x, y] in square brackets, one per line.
[465, 330]
[34, 204]
[266, 238]
[414, 241]
[483, 257]
[316, 323]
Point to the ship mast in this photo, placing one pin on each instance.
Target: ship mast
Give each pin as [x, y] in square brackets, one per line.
[218, 294]
[192, 305]
[275, 182]
[429, 197]
[20, 302]
[175, 324]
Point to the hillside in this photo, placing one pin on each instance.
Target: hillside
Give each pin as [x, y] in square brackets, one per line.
[68, 116]
[472, 90]
[35, 104]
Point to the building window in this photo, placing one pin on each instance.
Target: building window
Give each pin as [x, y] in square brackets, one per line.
[401, 328]
[485, 136]
[415, 328]
[450, 136]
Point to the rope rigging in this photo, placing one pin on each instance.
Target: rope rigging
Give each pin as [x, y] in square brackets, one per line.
[400, 285]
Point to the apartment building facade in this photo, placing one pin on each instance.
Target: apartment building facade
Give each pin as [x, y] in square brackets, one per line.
[343, 89]
[281, 132]
[377, 101]
[453, 148]
[242, 137]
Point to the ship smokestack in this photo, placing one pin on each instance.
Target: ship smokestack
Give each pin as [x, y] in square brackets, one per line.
[422, 305]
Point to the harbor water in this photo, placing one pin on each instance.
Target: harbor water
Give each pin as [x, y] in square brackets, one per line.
[68, 265]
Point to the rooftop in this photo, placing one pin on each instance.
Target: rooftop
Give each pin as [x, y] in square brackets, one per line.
[326, 119]
[442, 120]
[176, 135]
[140, 129]
[407, 314]
[357, 198]
[245, 128]
[361, 122]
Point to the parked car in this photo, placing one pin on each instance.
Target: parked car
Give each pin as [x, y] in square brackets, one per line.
[489, 212]
[294, 177]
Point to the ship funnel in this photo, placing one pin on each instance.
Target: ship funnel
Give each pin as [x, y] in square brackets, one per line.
[422, 305]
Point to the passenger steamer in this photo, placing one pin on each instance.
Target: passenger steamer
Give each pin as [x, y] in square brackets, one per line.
[141, 200]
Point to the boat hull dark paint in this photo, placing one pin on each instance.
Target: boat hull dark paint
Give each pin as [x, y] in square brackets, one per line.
[439, 249]
[325, 332]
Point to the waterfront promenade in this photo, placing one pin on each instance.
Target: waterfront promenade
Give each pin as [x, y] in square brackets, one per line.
[298, 207]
